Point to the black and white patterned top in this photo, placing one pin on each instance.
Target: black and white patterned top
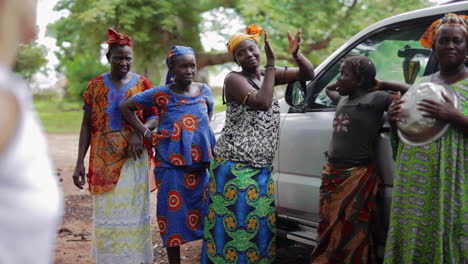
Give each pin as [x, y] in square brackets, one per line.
[250, 136]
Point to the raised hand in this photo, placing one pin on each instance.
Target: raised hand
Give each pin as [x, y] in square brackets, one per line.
[444, 111]
[270, 55]
[294, 43]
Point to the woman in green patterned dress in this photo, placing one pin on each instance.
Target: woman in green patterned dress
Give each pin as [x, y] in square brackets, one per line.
[240, 226]
[429, 212]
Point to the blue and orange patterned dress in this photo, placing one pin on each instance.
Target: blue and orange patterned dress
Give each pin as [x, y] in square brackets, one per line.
[184, 143]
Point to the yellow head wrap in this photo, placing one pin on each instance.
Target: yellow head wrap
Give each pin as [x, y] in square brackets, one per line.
[429, 36]
[253, 32]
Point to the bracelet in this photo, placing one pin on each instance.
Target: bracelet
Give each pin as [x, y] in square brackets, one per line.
[247, 96]
[284, 72]
[297, 53]
[269, 66]
[146, 131]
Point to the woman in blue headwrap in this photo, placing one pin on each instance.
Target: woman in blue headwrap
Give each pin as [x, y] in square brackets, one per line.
[184, 143]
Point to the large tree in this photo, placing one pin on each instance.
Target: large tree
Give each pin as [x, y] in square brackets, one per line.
[325, 24]
[30, 60]
[157, 25]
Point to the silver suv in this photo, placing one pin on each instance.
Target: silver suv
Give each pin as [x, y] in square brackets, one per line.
[306, 127]
[307, 114]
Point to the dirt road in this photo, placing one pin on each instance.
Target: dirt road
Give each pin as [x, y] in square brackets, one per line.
[74, 237]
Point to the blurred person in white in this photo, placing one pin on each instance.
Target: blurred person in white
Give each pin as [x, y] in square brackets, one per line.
[31, 202]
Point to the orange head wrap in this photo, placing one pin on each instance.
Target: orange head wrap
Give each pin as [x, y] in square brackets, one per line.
[451, 19]
[253, 32]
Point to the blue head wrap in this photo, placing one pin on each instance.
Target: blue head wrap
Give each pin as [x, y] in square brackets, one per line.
[175, 52]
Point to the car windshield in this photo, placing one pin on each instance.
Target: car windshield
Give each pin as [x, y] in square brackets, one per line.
[396, 52]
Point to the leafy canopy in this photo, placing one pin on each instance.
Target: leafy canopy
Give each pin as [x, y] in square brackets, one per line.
[156, 26]
[31, 58]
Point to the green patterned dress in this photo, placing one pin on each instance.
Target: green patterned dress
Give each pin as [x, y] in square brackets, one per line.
[240, 226]
[429, 212]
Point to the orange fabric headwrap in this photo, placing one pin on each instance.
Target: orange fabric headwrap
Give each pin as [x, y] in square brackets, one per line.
[253, 32]
[429, 36]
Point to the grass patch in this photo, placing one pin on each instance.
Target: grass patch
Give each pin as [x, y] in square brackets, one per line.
[219, 107]
[60, 116]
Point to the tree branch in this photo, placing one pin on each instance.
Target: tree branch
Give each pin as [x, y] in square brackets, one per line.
[204, 59]
[350, 9]
[322, 44]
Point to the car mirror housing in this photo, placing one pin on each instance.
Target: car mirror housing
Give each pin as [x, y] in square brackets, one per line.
[295, 94]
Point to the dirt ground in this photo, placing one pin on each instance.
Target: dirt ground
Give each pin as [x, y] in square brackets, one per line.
[74, 235]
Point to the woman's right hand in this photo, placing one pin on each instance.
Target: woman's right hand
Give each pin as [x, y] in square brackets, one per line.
[79, 175]
[294, 43]
[135, 146]
[394, 109]
[148, 135]
[270, 55]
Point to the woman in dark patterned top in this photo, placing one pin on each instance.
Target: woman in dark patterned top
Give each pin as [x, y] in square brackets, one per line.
[240, 225]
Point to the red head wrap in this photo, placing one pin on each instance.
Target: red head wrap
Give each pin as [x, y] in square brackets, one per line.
[117, 39]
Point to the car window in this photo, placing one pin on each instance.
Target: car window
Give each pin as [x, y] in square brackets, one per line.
[396, 52]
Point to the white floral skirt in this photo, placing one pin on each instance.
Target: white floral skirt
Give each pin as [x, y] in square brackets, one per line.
[122, 218]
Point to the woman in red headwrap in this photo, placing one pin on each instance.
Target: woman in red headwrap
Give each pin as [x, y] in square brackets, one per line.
[429, 212]
[118, 161]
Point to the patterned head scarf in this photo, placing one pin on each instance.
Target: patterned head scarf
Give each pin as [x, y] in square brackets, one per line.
[451, 19]
[253, 32]
[117, 39]
[175, 52]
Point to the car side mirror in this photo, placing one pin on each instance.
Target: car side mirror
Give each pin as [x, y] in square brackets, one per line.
[295, 94]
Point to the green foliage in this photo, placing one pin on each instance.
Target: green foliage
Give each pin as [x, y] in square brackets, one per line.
[79, 71]
[155, 27]
[219, 106]
[31, 59]
[325, 24]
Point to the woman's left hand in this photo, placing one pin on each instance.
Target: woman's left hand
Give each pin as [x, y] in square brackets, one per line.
[135, 146]
[294, 43]
[444, 111]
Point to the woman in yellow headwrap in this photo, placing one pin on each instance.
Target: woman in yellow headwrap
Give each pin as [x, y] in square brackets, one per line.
[429, 212]
[240, 225]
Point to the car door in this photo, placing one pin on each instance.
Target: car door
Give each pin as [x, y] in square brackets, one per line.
[306, 130]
